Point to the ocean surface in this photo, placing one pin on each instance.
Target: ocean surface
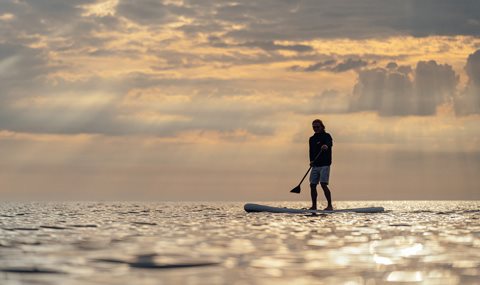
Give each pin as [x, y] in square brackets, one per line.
[424, 242]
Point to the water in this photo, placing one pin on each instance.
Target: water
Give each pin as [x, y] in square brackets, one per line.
[425, 242]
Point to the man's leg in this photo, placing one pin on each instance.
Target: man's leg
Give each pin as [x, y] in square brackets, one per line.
[314, 194]
[326, 191]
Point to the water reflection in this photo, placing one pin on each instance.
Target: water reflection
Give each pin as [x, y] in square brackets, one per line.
[218, 243]
[405, 276]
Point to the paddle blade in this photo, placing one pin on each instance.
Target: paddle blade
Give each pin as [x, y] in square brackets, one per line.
[296, 189]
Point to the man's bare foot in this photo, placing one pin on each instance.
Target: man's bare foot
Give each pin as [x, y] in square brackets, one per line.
[329, 208]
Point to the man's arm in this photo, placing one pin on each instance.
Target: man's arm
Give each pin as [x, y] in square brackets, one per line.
[328, 142]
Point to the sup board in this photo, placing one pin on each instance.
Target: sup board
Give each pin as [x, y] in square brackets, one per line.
[250, 207]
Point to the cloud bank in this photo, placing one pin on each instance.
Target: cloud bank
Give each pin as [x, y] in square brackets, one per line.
[468, 102]
[331, 65]
[392, 92]
[166, 67]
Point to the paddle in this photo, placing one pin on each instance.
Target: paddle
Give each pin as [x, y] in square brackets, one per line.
[297, 189]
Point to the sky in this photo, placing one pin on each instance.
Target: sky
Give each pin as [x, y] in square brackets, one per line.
[213, 100]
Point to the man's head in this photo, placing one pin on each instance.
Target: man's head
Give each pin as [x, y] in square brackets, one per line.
[318, 126]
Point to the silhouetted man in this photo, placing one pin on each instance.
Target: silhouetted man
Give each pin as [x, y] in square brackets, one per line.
[320, 146]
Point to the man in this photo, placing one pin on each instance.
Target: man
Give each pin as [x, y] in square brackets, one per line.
[320, 148]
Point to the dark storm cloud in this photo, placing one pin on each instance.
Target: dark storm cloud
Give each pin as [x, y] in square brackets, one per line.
[468, 102]
[349, 64]
[311, 19]
[313, 67]
[391, 65]
[56, 10]
[264, 45]
[329, 65]
[392, 93]
[271, 46]
[257, 24]
[41, 16]
[151, 12]
[172, 58]
[440, 17]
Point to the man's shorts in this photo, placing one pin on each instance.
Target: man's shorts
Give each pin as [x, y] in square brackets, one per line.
[319, 174]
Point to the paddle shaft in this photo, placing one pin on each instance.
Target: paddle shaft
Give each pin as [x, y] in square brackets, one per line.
[309, 168]
[304, 176]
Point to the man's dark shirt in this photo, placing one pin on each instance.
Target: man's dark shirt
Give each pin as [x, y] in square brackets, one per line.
[316, 141]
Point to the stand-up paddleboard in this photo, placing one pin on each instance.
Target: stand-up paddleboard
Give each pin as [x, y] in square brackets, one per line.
[249, 207]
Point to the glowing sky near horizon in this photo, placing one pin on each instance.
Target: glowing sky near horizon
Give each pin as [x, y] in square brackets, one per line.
[213, 100]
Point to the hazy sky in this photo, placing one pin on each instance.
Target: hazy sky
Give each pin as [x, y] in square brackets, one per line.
[213, 100]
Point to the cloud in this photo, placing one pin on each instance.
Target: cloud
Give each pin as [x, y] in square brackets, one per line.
[36, 18]
[393, 93]
[151, 12]
[369, 89]
[271, 46]
[264, 45]
[316, 19]
[434, 84]
[329, 65]
[56, 56]
[314, 67]
[392, 65]
[138, 104]
[329, 101]
[473, 67]
[57, 26]
[20, 69]
[468, 102]
[446, 17]
[349, 64]
[261, 24]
